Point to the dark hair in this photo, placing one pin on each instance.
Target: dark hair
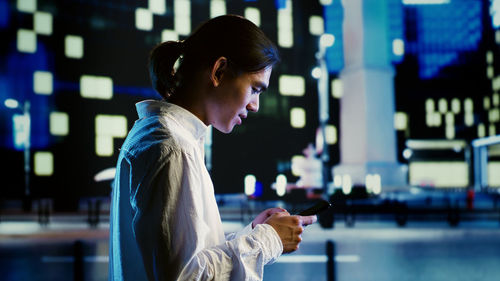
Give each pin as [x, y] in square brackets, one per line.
[244, 45]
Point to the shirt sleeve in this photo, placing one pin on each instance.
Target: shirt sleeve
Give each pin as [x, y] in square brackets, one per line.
[170, 230]
[244, 231]
[242, 258]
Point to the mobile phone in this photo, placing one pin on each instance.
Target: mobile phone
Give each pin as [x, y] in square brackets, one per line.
[319, 207]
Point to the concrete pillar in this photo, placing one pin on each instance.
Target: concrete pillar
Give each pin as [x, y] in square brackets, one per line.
[367, 135]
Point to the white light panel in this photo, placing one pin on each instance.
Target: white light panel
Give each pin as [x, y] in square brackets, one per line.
[492, 130]
[43, 163]
[481, 130]
[73, 46]
[486, 103]
[330, 134]
[490, 72]
[217, 8]
[439, 174]
[285, 26]
[43, 82]
[450, 132]
[182, 16]
[27, 6]
[443, 106]
[316, 25]
[253, 14]
[430, 106]
[42, 23]
[143, 19]
[297, 117]
[489, 57]
[169, 35]
[26, 41]
[292, 85]
[157, 7]
[455, 105]
[96, 87]
[337, 88]
[108, 127]
[493, 174]
[400, 121]
[398, 47]
[59, 123]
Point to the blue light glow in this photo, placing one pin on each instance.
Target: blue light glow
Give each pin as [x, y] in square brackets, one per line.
[334, 16]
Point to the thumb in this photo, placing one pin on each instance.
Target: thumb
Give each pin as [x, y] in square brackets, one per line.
[307, 220]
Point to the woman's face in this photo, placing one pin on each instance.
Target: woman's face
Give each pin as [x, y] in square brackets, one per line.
[235, 97]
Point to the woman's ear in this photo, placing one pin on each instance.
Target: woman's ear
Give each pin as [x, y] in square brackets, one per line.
[217, 71]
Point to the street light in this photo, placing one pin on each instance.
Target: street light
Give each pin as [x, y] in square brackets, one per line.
[22, 134]
[321, 73]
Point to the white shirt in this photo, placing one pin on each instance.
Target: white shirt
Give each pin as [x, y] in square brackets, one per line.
[165, 224]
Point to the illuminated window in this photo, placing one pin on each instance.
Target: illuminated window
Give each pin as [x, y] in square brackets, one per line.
[439, 174]
[490, 72]
[43, 163]
[108, 127]
[59, 123]
[455, 105]
[469, 119]
[285, 26]
[26, 41]
[450, 132]
[400, 121]
[492, 130]
[443, 106]
[281, 182]
[497, 36]
[337, 88]
[398, 47]
[493, 175]
[297, 117]
[250, 182]
[253, 14]
[157, 7]
[316, 25]
[436, 119]
[489, 57]
[73, 46]
[296, 161]
[27, 6]
[325, 2]
[331, 134]
[42, 23]
[486, 103]
[468, 105]
[143, 19]
[217, 8]
[96, 87]
[496, 99]
[182, 16]
[429, 105]
[494, 115]
[169, 35]
[290, 85]
[42, 82]
[449, 119]
[481, 130]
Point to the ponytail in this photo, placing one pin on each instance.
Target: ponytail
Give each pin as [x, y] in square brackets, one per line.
[161, 67]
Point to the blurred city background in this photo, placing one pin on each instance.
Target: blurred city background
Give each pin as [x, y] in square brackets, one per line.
[389, 109]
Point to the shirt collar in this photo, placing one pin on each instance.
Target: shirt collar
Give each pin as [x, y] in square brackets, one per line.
[184, 117]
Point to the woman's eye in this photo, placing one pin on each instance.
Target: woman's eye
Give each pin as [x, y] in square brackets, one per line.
[255, 91]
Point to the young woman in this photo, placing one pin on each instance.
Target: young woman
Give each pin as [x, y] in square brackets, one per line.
[165, 224]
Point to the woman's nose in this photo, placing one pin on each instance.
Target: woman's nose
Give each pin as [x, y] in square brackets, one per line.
[253, 105]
